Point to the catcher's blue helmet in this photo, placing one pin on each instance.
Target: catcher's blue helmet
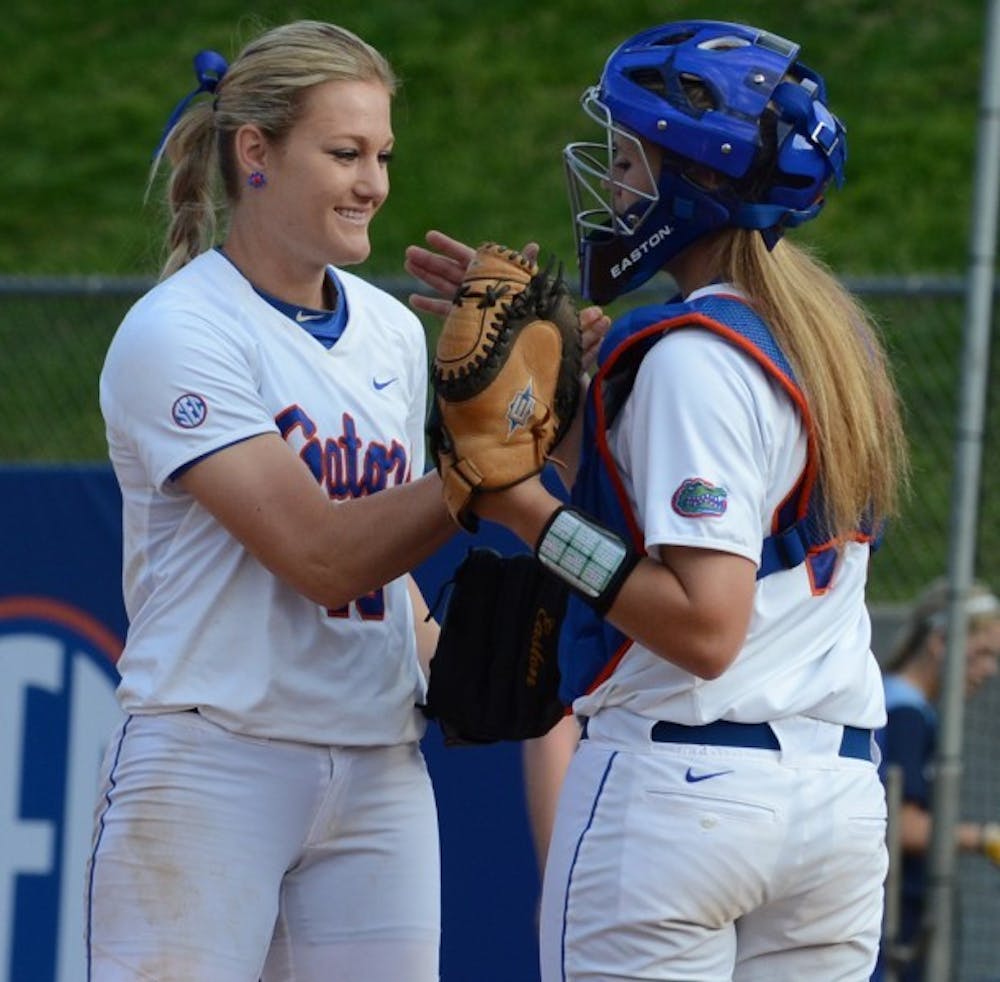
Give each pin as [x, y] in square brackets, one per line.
[711, 95]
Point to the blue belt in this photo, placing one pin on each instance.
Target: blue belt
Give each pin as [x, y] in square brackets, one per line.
[855, 742]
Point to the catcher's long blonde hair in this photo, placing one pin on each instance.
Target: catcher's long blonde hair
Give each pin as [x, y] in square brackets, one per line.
[262, 86]
[835, 349]
[837, 354]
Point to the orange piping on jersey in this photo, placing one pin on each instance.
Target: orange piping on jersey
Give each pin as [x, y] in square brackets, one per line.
[819, 591]
[609, 668]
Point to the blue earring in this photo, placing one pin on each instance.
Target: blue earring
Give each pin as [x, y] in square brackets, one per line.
[256, 179]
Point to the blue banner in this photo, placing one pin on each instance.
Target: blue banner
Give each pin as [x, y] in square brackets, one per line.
[62, 627]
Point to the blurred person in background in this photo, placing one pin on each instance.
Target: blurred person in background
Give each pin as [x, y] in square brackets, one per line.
[913, 678]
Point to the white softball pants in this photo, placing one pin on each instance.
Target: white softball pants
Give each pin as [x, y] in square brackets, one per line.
[223, 858]
[709, 864]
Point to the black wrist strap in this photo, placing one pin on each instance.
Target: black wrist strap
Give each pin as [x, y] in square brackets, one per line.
[591, 558]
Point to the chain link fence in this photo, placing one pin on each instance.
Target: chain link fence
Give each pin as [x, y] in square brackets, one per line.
[54, 332]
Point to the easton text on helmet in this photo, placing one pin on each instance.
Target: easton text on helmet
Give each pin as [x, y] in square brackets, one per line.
[636, 254]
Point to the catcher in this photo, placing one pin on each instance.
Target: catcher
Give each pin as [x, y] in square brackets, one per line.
[742, 446]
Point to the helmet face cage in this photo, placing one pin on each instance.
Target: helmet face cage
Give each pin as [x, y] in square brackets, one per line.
[591, 177]
[699, 91]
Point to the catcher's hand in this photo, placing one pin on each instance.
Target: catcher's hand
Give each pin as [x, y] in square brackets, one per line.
[506, 376]
[495, 673]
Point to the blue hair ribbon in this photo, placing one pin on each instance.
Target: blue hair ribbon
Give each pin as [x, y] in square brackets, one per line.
[209, 68]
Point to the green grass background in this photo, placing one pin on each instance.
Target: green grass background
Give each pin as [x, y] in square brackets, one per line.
[488, 101]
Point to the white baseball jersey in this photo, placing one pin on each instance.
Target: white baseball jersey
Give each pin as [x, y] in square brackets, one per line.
[200, 362]
[702, 411]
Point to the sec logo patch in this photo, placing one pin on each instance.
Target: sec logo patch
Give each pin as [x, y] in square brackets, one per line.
[189, 411]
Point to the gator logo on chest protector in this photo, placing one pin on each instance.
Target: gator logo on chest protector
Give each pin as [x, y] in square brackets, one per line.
[696, 498]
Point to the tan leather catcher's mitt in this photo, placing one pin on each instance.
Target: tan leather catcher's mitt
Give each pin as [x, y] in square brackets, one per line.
[506, 377]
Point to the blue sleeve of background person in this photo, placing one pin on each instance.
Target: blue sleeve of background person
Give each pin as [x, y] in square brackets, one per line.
[908, 742]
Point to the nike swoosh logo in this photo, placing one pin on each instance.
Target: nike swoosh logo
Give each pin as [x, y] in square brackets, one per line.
[378, 386]
[691, 777]
[301, 317]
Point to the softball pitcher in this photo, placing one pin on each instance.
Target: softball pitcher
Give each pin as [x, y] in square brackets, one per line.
[722, 817]
[265, 811]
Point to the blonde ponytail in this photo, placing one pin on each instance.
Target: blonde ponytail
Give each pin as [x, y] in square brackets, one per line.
[840, 362]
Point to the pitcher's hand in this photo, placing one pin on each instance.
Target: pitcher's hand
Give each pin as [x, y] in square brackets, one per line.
[441, 265]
